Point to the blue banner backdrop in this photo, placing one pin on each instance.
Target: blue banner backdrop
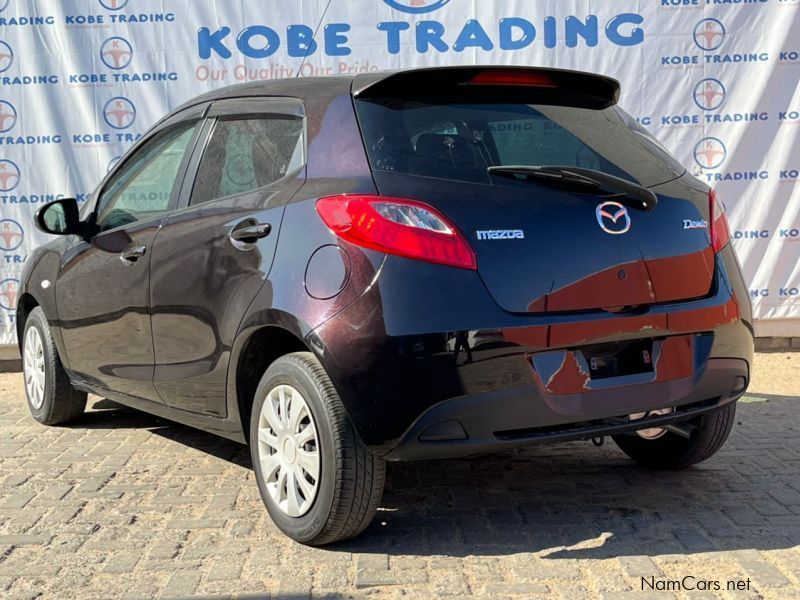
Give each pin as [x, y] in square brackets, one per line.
[715, 80]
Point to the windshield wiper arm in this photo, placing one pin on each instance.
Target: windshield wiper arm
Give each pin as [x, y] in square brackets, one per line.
[638, 196]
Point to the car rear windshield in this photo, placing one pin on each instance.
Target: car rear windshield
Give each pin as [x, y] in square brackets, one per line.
[451, 140]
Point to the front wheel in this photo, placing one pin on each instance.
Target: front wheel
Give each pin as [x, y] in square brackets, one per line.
[51, 398]
[320, 484]
[671, 451]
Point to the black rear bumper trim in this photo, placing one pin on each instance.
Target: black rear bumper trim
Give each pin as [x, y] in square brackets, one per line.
[585, 431]
[521, 416]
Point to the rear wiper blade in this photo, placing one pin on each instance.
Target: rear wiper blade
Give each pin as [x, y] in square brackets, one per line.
[637, 195]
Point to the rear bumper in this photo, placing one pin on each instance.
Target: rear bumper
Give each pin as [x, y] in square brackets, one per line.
[427, 345]
[523, 415]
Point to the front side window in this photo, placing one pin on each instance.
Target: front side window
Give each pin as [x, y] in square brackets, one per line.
[144, 185]
[245, 154]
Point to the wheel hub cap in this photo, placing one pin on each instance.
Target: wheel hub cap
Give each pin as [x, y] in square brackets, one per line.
[33, 367]
[288, 450]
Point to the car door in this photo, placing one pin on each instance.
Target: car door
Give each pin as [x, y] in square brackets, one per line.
[102, 287]
[213, 254]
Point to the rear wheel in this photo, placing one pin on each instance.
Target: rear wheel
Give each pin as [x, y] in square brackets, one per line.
[318, 481]
[51, 398]
[671, 451]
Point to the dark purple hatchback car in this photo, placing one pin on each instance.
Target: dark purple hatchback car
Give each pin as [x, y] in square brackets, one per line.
[395, 266]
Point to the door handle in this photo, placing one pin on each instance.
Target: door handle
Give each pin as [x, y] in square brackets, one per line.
[129, 256]
[249, 234]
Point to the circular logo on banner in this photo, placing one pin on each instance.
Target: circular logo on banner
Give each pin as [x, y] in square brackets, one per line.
[116, 53]
[4, 4]
[709, 94]
[9, 290]
[119, 113]
[8, 116]
[710, 153]
[6, 57]
[11, 235]
[112, 163]
[709, 34]
[416, 7]
[113, 4]
[9, 175]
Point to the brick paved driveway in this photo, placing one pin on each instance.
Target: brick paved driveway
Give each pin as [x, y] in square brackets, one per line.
[123, 504]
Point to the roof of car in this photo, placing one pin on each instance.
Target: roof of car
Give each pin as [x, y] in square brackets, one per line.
[306, 88]
[300, 87]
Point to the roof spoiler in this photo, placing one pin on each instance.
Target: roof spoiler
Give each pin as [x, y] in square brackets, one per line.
[531, 85]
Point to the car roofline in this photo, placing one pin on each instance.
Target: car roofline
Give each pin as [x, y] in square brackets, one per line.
[364, 84]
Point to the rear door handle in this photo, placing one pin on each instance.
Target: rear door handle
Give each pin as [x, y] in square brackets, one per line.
[130, 255]
[249, 234]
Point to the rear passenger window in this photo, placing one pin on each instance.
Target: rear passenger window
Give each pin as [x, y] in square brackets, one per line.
[244, 154]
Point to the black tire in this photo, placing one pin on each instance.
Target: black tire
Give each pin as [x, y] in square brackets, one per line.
[61, 402]
[351, 479]
[671, 451]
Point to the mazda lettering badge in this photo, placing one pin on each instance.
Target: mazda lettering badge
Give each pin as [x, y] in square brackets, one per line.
[613, 218]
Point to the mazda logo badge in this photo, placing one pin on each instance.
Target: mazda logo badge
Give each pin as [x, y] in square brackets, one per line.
[613, 218]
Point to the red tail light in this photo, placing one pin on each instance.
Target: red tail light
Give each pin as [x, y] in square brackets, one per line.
[397, 226]
[720, 232]
[512, 78]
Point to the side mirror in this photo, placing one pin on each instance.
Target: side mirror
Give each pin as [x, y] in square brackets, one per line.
[59, 217]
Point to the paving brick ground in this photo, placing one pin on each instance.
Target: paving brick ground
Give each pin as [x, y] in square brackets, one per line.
[123, 504]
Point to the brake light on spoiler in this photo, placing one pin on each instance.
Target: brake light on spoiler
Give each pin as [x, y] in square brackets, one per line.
[519, 77]
[397, 226]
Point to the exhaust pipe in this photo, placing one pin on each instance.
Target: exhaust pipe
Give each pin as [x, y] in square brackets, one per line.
[685, 431]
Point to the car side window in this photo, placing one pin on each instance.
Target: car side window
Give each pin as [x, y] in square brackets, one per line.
[245, 154]
[144, 185]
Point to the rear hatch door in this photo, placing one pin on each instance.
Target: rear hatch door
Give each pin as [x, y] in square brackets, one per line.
[566, 261]
[542, 246]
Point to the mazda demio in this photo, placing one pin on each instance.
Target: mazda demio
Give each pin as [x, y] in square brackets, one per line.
[430, 263]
